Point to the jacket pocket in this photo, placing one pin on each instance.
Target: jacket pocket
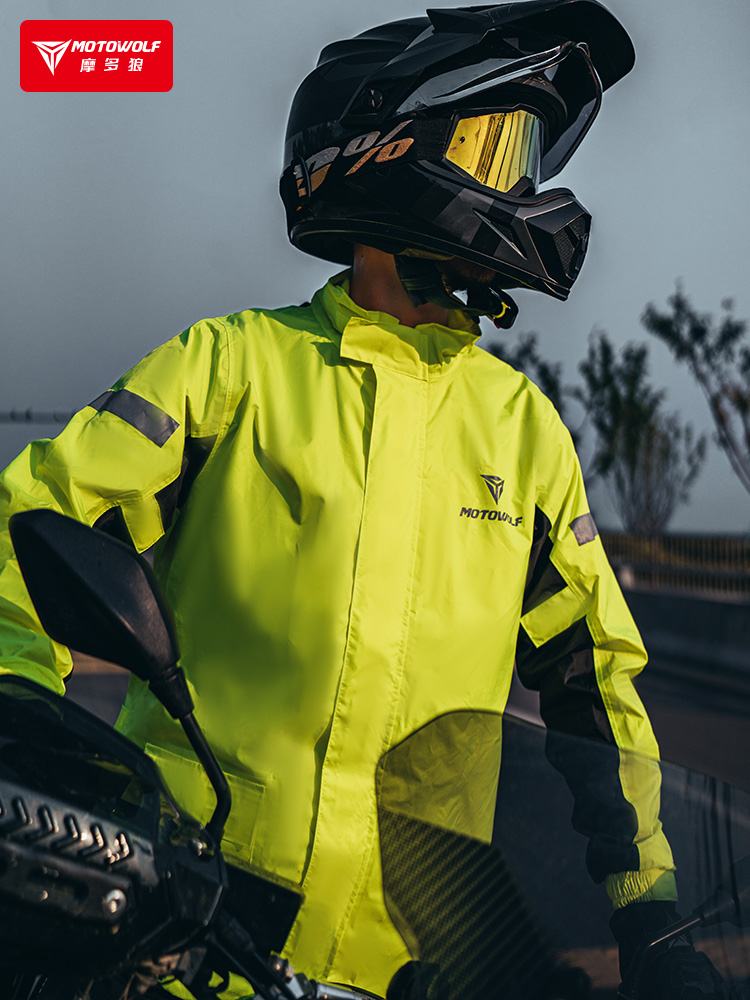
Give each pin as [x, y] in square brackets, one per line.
[191, 789]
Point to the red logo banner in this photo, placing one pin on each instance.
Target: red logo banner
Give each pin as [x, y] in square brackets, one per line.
[107, 56]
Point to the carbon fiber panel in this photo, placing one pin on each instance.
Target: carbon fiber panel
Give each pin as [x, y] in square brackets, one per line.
[458, 908]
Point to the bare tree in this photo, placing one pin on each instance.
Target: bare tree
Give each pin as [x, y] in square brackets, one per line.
[648, 459]
[647, 489]
[718, 357]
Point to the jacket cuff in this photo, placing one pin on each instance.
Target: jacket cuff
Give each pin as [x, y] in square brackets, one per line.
[641, 887]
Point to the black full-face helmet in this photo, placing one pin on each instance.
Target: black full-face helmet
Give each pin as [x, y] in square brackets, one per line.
[429, 137]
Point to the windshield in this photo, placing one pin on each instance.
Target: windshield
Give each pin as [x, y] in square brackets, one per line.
[491, 890]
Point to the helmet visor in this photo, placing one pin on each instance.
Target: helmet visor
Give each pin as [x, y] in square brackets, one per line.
[498, 149]
[577, 81]
[567, 69]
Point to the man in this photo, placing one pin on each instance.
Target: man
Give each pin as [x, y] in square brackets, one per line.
[361, 519]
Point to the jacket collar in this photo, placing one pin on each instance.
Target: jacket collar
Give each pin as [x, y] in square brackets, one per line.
[378, 339]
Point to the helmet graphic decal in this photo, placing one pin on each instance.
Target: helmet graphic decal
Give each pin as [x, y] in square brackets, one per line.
[499, 232]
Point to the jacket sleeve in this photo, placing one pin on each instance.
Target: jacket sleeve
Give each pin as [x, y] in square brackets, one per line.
[122, 464]
[579, 647]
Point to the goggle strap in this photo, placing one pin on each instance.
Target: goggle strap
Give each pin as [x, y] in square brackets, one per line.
[404, 141]
[355, 156]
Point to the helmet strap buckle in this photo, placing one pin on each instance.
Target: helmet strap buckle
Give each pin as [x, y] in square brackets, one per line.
[423, 282]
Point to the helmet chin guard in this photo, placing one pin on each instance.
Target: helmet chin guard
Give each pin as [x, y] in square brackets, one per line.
[430, 135]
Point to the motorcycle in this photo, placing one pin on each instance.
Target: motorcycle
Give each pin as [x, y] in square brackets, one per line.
[103, 875]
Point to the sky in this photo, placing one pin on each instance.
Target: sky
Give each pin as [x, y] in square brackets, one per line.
[127, 217]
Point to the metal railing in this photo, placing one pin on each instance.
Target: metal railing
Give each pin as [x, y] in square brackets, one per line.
[35, 416]
[709, 565]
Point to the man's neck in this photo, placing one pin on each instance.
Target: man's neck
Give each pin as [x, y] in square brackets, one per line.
[376, 286]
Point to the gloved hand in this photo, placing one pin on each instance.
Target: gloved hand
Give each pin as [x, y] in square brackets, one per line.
[148, 973]
[677, 971]
[413, 981]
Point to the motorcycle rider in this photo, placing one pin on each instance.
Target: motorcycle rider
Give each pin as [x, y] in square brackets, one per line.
[361, 519]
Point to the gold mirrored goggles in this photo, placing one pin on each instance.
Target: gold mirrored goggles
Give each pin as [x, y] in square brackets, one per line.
[498, 149]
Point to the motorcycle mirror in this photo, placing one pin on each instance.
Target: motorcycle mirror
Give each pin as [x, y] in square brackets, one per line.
[98, 596]
[729, 902]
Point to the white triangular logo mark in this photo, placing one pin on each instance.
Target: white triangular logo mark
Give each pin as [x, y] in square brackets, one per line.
[52, 52]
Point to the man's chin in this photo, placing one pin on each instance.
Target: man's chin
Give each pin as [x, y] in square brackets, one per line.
[459, 274]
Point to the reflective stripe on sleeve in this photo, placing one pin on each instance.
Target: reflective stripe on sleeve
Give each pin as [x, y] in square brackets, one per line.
[146, 417]
[584, 529]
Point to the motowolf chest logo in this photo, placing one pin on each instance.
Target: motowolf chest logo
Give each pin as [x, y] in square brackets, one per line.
[495, 485]
[96, 56]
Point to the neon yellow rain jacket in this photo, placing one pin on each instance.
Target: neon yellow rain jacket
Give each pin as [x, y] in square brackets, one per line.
[352, 518]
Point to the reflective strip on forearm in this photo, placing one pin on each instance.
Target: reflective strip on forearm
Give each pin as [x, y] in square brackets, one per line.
[584, 528]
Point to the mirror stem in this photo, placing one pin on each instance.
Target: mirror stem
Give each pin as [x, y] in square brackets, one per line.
[631, 987]
[215, 825]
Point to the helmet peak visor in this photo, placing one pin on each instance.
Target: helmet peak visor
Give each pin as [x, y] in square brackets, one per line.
[561, 84]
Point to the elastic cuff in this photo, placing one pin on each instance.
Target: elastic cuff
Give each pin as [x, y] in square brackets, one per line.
[641, 887]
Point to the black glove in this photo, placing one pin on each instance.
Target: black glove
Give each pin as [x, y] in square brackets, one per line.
[414, 980]
[676, 971]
